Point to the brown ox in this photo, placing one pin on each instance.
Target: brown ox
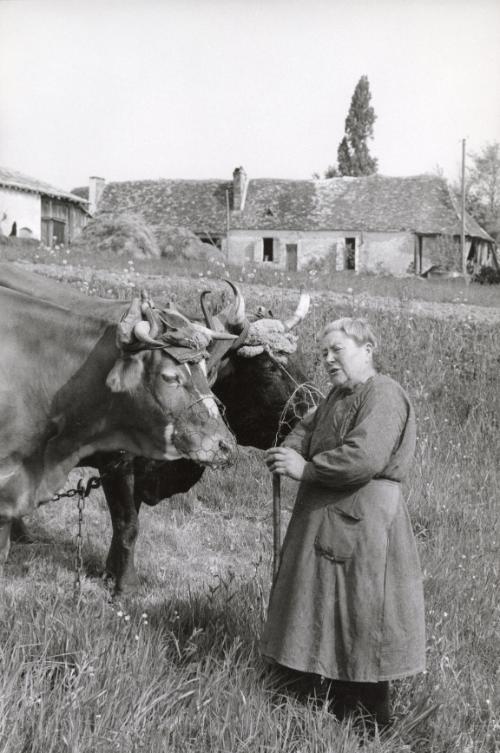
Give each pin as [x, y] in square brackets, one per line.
[96, 376]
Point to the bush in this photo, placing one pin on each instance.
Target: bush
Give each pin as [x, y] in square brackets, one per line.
[487, 276]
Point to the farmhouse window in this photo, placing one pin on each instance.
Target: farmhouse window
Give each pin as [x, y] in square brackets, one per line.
[268, 249]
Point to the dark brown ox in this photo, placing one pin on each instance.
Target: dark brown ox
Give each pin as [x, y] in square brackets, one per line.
[76, 379]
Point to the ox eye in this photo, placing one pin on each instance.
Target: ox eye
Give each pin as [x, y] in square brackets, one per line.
[171, 379]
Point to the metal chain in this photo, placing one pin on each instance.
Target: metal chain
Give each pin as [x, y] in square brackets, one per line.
[95, 481]
[79, 542]
[60, 495]
[83, 490]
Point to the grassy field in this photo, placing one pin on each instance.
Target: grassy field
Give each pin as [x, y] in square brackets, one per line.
[177, 668]
[403, 289]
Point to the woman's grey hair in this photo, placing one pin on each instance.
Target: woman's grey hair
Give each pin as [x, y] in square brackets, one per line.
[358, 329]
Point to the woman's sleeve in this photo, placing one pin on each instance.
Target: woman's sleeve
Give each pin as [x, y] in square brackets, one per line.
[368, 446]
[298, 439]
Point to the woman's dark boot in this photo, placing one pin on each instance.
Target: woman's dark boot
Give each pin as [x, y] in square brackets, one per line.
[351, 697]
[376, 698]
[343, 697]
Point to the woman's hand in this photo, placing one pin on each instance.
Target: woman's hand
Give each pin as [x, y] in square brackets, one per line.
[285, 462]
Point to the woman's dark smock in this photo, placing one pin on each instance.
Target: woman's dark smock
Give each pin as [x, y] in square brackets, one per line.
[347, 602]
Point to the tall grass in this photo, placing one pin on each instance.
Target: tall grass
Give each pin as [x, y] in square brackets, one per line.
[177, 668]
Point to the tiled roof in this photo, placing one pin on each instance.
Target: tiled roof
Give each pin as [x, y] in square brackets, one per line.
[21, 182]
[197, 204]
[421, 203]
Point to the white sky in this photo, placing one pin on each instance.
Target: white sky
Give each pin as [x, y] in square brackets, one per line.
[194, 88]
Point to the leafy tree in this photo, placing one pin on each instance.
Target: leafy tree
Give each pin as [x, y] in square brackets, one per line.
[353, 155]
[483, 188]
[344, 157]
[331, 172]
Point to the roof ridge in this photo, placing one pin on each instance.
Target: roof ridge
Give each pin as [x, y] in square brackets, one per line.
[22, 181]
[167, 180]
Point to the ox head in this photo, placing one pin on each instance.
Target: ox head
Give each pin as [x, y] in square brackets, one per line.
[161, 378]
[259, 380]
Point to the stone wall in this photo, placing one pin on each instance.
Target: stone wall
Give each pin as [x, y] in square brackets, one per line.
[384, 253]
[244, 247]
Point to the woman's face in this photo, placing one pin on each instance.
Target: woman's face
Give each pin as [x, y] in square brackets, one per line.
[345, 360]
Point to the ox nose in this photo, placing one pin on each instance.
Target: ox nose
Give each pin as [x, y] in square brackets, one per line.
[226, 449]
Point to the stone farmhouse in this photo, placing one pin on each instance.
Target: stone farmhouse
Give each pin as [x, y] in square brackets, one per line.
[370, 224]
[30, 208]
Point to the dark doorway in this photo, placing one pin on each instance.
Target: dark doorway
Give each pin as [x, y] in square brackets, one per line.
[268, 254]
[419, 242]
[59, 232]
[350, 253]
[291, 257]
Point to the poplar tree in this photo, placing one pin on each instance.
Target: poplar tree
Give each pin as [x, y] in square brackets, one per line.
[353, 155]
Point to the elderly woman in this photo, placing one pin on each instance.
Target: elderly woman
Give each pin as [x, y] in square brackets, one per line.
[347, 602]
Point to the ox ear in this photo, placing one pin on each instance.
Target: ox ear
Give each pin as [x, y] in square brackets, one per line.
[126, 374]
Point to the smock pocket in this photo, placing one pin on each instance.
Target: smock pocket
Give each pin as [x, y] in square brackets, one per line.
[338, 535]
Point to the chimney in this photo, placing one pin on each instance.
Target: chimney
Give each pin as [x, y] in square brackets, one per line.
[239, 189]
[96, 187]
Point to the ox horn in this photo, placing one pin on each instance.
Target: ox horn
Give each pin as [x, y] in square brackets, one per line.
[300, 312]
[146, 309]
[142, 331]
[235, 314]
[206, 311]
[152, 321]
[213, 333]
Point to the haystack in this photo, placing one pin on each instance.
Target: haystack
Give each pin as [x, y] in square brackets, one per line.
[123, 234]
[180, 242]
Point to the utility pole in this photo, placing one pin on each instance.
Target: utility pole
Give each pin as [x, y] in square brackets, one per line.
[462, 228]
[228, 224]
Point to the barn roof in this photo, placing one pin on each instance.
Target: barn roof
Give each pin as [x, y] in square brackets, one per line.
[200, 205]
[422, 204]
[20, 182]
